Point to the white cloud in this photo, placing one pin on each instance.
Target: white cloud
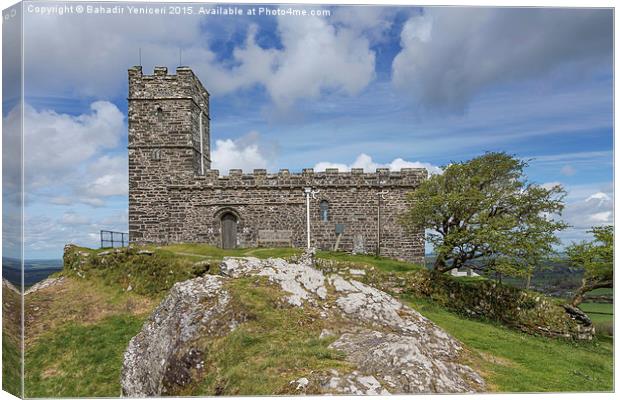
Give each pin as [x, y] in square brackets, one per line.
[315, 56]
[56, 144]
[374, 22]
[366, 162]
[585, 206]
[110, 177]
[598, 197]
[117, 219]
[45, 235]
[89, 56]
[61, 200]
[72, 218]
[246, 153]
[449, 55]
[585, 209]
[66, 156]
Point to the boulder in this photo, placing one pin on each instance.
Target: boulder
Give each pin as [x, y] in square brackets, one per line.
[159, 357]
[392, 348]
[49, 282]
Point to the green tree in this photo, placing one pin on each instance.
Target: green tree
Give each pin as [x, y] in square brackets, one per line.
[485, 209]
[597, 260]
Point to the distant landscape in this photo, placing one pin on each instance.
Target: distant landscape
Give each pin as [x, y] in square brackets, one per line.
[34, 270]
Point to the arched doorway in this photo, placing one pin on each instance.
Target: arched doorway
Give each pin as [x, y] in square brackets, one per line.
[229, 231]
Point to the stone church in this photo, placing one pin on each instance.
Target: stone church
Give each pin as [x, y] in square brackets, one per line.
[175, 196]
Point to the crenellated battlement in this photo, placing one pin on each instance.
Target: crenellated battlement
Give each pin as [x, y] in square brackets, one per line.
[164, 86]
[409, 177]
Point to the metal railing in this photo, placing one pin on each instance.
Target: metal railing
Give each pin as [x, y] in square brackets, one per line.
[111, 238]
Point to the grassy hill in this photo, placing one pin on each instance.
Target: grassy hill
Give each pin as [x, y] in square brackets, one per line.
[11, 327]
[78, 330]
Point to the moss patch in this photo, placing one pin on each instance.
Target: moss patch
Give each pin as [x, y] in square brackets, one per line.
[127, 269]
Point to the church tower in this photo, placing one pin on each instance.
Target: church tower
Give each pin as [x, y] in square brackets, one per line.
[169, 143]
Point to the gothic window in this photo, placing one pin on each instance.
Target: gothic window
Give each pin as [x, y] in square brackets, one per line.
[160, 114]
[324, 209]
[156, 155]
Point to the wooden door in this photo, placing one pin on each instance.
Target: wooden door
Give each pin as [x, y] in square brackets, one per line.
[229, 231]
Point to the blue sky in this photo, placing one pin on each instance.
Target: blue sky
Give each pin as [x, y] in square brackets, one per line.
[363, 87]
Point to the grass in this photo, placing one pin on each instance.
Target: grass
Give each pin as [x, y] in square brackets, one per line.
[274, 346]
[145, 274]
[516, 362]
[81, 329]
[80, 360]
[11, 333]
[79, 300]
[601, 292]
[11, 365]
[602, 316]
[154, 274]
[605, 310]
[382, 263]
[216, 253]
[76, 333]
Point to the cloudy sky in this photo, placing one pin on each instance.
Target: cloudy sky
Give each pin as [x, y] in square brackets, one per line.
[363, 87]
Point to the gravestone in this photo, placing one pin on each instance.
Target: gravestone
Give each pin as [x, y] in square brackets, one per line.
[358, 244]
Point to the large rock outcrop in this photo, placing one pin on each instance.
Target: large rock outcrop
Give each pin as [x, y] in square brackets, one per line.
[159, 357]
[391, 348]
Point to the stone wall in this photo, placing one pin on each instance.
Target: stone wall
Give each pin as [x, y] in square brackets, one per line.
[164, 144]
[276, 202]
[175, 197]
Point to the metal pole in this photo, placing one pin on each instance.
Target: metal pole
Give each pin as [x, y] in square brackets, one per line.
[309, 192]
[202, 158]
[380, 195]
[379, 225]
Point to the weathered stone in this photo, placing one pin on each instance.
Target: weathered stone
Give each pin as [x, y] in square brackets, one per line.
[44, 284]
[393, 348]
[175, 197]
[192, 308]
[408, 363]
[300, 280]
[577, 314]
[352, 383]
[357, 272]
[9, 285]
